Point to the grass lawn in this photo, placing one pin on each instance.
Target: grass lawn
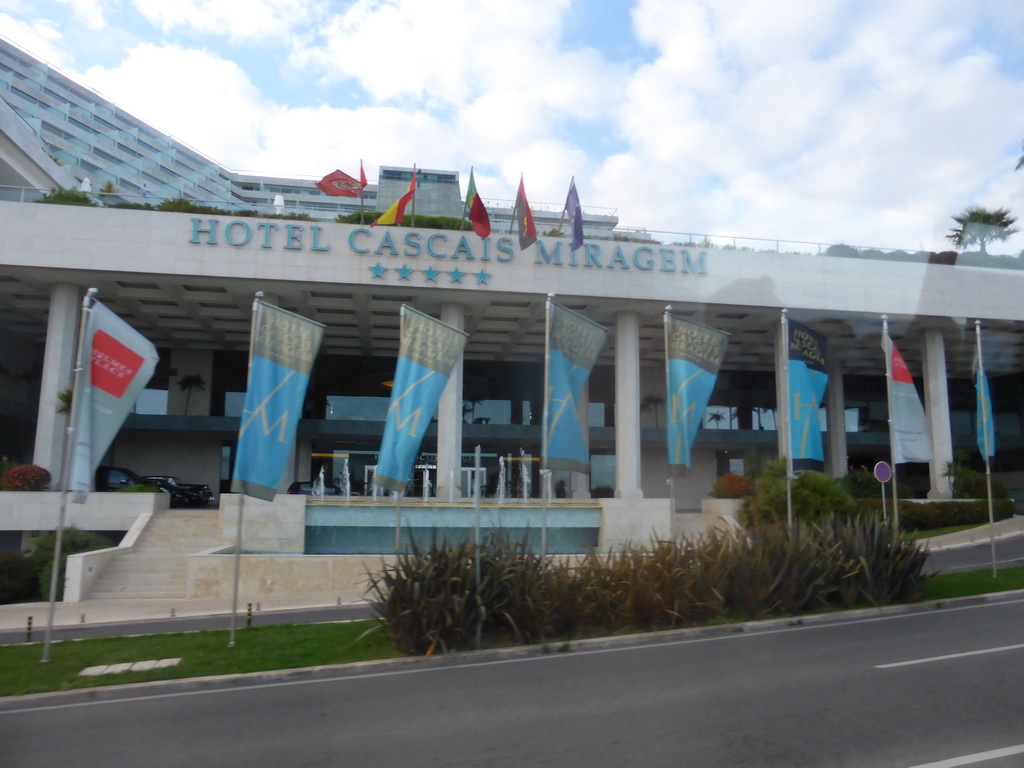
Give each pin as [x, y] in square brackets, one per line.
[932, 532]
[202, 653]
[286, 646]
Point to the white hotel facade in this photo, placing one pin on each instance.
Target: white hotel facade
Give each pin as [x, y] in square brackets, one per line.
[187, 281]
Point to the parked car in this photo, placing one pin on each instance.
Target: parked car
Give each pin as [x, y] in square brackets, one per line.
[201, 494]
[118, 478]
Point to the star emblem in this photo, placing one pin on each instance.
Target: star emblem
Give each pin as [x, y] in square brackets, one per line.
[379, 270]
[457, 275]
[404, 272]
[482, 277]
[431, 274]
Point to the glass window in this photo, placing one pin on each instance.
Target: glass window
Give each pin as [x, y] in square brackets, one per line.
[152, 402]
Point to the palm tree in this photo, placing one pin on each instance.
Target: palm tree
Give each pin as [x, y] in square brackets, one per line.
[188, 383]
[981, 226]
[652, 401]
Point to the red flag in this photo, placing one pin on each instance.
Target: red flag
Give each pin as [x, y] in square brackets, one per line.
[477, 211]
[396, 213]
[362, 175]
[524, 216]
[340, 183]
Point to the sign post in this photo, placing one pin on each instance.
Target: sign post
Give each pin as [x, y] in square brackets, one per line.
[883, 474]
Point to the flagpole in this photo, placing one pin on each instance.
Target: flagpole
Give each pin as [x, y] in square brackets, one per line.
[87, 302]
[515, 209]
[465, 204]
[985, 415]
[668, 407]
[545, 411]
[362, 190]
[887, 346]
[788, 434]
[561, 218]
[413, 222]
[256, 303]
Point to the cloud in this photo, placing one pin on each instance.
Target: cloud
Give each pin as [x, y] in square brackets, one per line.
[197, 97]
[41, 38]
[234, 19]
[88, 12]
[814, 124]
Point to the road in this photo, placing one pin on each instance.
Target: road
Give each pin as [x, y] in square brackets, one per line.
[1009, 552]
[822, 694]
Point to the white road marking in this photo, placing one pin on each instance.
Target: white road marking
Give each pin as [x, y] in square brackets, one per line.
[977, 757]
[950, 656]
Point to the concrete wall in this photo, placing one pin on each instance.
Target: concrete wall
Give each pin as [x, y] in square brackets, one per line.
[634, 521]
[278, 526]
[193, 458]
[40, 511]
[212, 575]
[84, 569]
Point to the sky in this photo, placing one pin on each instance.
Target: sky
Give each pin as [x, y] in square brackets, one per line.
[865, 122]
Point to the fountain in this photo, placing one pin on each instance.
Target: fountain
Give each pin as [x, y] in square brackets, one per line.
[524, 473]
[501, 479]
[346, 482]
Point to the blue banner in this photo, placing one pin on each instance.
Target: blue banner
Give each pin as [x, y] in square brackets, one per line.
[694, 354]
[427, 354]
[284, 346]
[573, 345]
[983, 420]
[807, 382]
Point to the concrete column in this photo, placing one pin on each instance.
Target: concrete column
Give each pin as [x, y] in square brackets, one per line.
[58, 362]
[627, 406]
[936, 404]
[449, 418]
[184, 363]
[835, 410]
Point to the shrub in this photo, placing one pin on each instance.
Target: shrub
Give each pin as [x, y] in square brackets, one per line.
[62, 196]
[26, 477]
[944, 514]
[139, 488]
[72, 542]
[18, 581]
[430, 599]
[815, 496]
[730, 486]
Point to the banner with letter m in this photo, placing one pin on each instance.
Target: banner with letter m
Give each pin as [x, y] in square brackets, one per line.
[573, 344]
[807, 382]
[427, 353]
[284, 347]
[694, 354]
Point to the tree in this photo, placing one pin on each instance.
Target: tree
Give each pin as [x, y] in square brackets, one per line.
[980, 226]
[188, 383]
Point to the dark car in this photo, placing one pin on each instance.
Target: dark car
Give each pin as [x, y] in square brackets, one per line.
[119, 478]
[199, 493]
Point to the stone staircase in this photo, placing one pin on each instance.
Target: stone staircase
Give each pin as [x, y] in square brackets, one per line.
[158, 567]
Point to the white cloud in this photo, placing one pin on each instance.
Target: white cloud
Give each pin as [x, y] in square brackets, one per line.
[88, 12]
[818, 123]
[41, 38]
[197, 97]
[234, 19]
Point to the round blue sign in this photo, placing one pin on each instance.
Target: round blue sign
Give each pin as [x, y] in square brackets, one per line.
[883, 472]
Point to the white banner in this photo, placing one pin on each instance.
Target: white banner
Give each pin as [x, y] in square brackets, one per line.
[911, 438]
[117, 362]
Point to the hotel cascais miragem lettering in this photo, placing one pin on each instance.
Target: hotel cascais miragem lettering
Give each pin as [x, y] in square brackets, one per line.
[386, 242]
